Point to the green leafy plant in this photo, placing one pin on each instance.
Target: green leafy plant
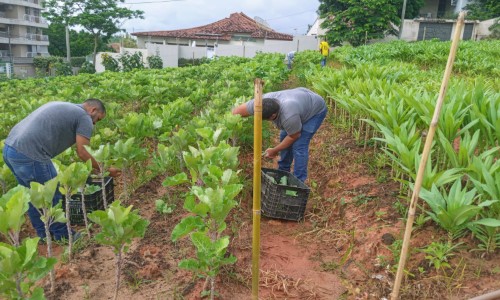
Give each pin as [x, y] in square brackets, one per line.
[103, 157]
[110, 63]
[119, 225]
[131, 61]
[214, 188]
[41, 199]
[163, 208]
[62, 69]
[487, 232]
[453, 210]
[87, 68]
[21, 268]
[71, 179]
[438, 254]
[155, 62]
[126, 153]
[13, 206]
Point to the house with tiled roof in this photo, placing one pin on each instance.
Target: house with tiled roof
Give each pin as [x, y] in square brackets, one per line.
[237, 29]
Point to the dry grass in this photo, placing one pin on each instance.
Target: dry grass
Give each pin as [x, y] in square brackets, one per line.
[281, 285]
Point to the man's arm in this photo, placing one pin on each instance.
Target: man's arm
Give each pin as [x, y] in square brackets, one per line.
[241, 110]
[84, 155]
[287, 142]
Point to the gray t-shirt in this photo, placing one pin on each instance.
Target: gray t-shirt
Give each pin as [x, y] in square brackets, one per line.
[297, 106]
[50, 129]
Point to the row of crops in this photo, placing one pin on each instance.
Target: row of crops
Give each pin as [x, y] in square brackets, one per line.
[177, 123]
[386, 95]
[173, 122]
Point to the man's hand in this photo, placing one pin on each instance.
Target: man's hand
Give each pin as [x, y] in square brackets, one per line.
[114, 172]
[271, 153]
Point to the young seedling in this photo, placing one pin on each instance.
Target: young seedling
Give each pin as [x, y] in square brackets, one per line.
[21, 268]
[72, 178]
[41, 199]
[13, 206]
[119, 226]
[87, 190]
[210, 201]
[103, 158]
[127, 153]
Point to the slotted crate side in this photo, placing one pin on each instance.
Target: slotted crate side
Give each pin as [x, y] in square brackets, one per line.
[276, 203]
[92, 202]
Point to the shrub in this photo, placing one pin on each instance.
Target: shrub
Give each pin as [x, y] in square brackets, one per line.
[131, 61]
[62, 68]
[77, 61]
[43, 64]
[110, 64]
[155, 62]
[87, 67]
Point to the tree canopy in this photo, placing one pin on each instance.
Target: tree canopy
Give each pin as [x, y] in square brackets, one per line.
[356, 21]
[82, 43]
[483, 9]
[100, 18]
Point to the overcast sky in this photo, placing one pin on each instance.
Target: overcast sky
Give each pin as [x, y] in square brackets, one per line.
[285, 16]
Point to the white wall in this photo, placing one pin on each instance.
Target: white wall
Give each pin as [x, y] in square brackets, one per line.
[481, 30]
[169, 55]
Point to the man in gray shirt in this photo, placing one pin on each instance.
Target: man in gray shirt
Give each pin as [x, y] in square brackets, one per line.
[42, 135]
[298, 113]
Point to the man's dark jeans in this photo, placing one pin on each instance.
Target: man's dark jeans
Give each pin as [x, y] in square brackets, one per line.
[298, 152]
[27, 170]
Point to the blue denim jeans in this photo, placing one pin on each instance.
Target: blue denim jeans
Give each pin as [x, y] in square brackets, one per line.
[298, 152]
[27, 170]
[323, 61]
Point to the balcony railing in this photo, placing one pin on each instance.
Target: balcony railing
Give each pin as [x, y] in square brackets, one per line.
[37, 37]
[2, 14]
[34, 19]
[35, 54]
[4, 53]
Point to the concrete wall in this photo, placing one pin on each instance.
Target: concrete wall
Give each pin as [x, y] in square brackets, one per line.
[481, 30]
[171, 53]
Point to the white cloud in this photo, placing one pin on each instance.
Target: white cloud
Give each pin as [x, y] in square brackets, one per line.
[286, 16]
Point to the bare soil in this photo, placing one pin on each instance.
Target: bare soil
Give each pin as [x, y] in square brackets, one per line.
[342, 249]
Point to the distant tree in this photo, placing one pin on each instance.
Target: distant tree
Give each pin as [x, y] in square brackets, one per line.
[412, 8]
[356, 21]
[81, 42]
[102, 18]
[61, 12]
[483, 9]
[126, 40]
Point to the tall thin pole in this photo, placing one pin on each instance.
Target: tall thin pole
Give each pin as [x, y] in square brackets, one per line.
[68, 53]
[425, 156]
[402, 19]
[257, 162]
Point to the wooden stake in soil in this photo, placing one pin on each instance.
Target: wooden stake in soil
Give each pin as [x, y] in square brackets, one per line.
[423, 162]
[257, 163]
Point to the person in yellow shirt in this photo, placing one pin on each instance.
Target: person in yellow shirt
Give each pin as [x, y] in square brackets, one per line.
[324, 49]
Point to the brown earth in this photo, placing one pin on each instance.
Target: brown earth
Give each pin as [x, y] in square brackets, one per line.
[342, 250]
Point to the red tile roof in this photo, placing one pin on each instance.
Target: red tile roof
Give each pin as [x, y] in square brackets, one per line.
[237, 23]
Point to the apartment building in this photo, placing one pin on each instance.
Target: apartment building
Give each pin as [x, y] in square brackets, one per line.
[22, 34]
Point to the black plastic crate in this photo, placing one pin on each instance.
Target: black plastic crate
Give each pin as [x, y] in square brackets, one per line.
[92, 202]
[283, 201]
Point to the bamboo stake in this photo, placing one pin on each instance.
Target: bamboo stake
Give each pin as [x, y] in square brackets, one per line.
[425, 155]
[257, 162]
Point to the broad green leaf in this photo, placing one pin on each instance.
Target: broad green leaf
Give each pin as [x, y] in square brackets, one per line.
[176, 180]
